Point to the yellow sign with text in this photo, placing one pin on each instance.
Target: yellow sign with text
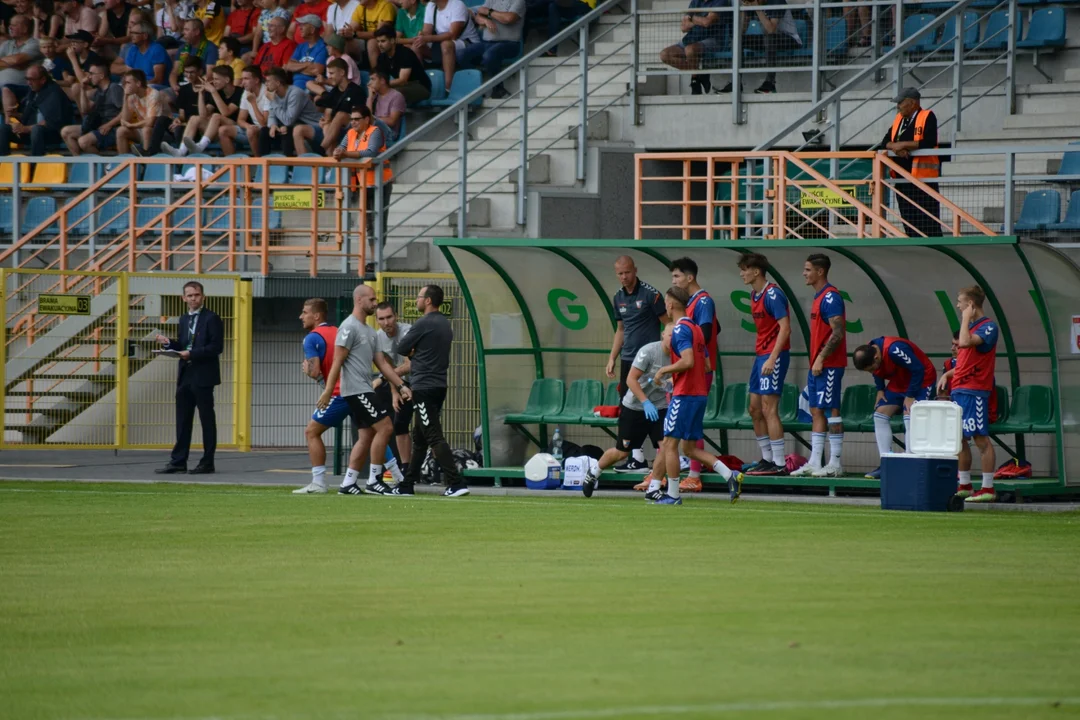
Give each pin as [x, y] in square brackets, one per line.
[64, 304]
[298, 199]
[822, 197]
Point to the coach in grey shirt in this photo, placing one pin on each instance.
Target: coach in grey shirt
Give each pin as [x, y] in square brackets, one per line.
[501, 23]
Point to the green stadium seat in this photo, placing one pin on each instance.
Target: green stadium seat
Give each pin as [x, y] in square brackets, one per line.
[1002, 404]
[545, 396]
[732, 409]
[582, 397]
[857, 408]
[716, 392]
[611, 397]
[1032, 410]
[611, 394]
[789, 410]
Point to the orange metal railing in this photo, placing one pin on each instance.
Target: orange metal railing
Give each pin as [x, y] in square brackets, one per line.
[780, 195]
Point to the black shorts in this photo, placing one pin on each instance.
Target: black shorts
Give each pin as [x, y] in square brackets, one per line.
[366, 409]
[634, 427]
[402, 417]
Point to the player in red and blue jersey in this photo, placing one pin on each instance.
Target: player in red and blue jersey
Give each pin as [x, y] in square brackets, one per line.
[769, 307]
[903, 375]
[317, 362]
[702, 312]
[828, 358]
[685, 421]
[972, 387]
[944, 386]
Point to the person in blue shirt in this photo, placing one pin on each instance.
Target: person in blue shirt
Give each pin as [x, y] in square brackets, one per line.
[146, 55]
[704, 34]
[309, 58]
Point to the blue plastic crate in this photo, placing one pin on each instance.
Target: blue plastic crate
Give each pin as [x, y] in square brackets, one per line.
[913, 482]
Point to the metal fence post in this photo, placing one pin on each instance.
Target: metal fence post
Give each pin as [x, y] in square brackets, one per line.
[376, 242]
[898, 37]
[815, 52]
[523, 169]
[1010, 167]
[958, 74]
[834, 142]
[16, 207]
[583, 120]
[736, 62]
[1010, 62]
[635, 36]
[463, 169]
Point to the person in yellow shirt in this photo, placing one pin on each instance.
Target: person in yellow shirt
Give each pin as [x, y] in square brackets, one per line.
[230, 53]
[369, 16]
[212, 14]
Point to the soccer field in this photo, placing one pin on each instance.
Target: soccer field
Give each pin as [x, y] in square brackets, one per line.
[233, 603]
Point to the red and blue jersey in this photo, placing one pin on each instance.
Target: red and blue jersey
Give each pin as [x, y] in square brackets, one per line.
[702, 311]
[950, 364]
[317, 344]
[975, 365]
[686, 336]
[768, 307]
[827, 305]
[904, 369]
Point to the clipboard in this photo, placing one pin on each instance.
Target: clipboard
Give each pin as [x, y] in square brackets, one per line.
[167, 353]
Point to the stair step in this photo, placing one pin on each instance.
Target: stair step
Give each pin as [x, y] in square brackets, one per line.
[1042, 120]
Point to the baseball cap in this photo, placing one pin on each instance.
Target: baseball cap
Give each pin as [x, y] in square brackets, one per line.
[81, 35]
[908, 93]
[335, 41]
[311, 20]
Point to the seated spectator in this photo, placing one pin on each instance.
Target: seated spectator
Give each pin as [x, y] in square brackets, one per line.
[242, 23]
[289, 107]
[45, 112]
[410, 19]
[335, 50]
[196, 45]
[309, 58]
[17, 54]
[56, 64]
[113, 31]
[448, 29]
[170, 20]
[254, 113]
[704, 33]
[230, 54]
[317, 8]
[142, 106]
[339, 14]
[219, 105]
[387, 105]
[276, 51]
[365, 141]
[370, 15]
[399, 63]
[169, 129]
[101, 102]
[270, 10]
[336, 103]
[78, 17]
[47, 21]
[146, 56]
[212, 14]
[780, 34]
[502, 23]
[79, 55]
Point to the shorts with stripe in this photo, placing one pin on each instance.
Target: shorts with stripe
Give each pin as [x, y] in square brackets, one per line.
[367, 409]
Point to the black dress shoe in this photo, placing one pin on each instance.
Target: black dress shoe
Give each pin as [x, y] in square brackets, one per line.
[202, 470]
[171, 470]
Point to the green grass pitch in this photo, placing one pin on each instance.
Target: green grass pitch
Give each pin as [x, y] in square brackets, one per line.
[170, 602]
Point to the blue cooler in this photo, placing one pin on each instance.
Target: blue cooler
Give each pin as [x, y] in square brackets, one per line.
[543, 472]
[917, 482]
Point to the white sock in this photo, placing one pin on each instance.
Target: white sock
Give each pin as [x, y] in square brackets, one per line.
[965, 477]
[817, 448]
[766, 448]
[778, 451]
[395, 469]
[673, 488]
[376, 474]
[318, 474]
[182, 150]
[721, 469]
[638, 455]
[351, 476]
[654, 485]
[988, 480]
[907, 433]
[836, 446]
[883, 433]
[203, 143]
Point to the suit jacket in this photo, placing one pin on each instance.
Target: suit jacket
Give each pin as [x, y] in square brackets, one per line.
[202, 370]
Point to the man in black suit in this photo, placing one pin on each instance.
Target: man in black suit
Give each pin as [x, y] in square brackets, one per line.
[202, 339]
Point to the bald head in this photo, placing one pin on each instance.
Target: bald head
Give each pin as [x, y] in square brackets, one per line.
[364, 301]
[626, 271]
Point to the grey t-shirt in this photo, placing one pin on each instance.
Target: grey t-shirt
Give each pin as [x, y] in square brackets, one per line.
[362, 341]
[510, 32]
[640, 315]
[396, 358]
[431, 337]
[17, 76]
[649, 359]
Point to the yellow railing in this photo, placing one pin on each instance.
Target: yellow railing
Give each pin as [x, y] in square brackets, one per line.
[780, 195]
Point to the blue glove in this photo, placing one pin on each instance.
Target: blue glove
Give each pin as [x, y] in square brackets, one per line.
[650, 411]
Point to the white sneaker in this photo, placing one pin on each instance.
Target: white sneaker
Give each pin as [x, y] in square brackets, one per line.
[312, 489]
[805, 471]
[830, 470]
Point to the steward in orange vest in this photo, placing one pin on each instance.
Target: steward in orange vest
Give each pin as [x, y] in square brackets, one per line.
[915, 129]
[364, 140]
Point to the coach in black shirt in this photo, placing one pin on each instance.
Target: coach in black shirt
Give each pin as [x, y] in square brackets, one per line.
[428, 343]
[200, 343]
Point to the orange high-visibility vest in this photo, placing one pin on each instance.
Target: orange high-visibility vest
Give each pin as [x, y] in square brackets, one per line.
[355, 142]
[921, 167]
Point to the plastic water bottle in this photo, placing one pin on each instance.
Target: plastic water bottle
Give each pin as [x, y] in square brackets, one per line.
[556, 445]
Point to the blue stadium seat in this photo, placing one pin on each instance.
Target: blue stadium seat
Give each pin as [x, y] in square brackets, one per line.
[301, 174]
[113, 217]
[38, 210]
[971, 32]
[464, 82]
[1045, 30]
[7, 217]
[1070, 164]
[279, 174]
[147, 210]
[78, 217]
[79, 172]
[1042, 208]
[158, 173]
[216, 217]
[1072, 215]
[122, 177]
[996, 34]
[182, 219]
[915, 23]
[438, 88]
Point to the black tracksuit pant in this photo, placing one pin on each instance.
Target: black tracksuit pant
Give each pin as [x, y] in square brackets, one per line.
[427, 433]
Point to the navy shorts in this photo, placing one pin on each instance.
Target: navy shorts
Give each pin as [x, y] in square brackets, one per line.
[825, 389]
[975, 410]
[895, 398]
[769, 384]
[685, 418]
[334, 413]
